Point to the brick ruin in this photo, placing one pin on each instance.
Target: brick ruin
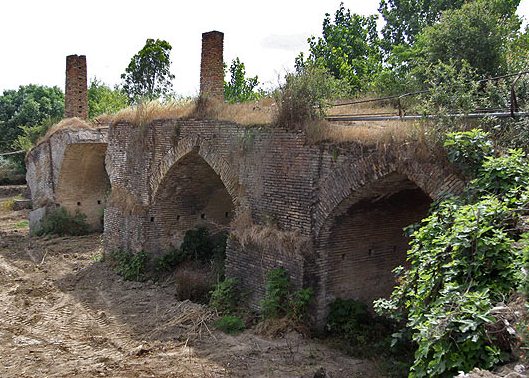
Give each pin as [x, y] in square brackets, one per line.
[333, 213]
[212, 65]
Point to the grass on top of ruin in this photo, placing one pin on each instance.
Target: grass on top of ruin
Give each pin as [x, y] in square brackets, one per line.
[253, 113]
[261, 113]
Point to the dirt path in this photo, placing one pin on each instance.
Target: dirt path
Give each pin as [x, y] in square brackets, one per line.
[65, 314]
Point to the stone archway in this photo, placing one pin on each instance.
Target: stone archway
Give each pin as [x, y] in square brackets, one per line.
[358, 224]
[190, 195]
[83, 183]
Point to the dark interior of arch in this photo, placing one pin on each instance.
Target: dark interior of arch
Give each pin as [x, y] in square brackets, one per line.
[366, 242]
[191, 195]
[83, 182]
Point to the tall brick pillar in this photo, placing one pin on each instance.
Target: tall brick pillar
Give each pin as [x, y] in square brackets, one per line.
[76, 96]
[212, 65]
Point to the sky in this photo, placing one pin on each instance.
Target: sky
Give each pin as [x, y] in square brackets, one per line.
[36, 35]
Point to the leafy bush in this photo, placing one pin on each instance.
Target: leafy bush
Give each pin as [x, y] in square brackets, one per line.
[280, 301]
[230, 324]
[61, 222]
[305, 96]
[299, 302]
[347, 317]
[12, 172]
[198, 246]
[225, 296]
[468, 149]
[275, 301]
[464, 258]
[131, 266]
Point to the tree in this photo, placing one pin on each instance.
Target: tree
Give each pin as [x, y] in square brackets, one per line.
[349, 48]
[478, 33]
[30, 105]
[406, 18]
[240, 88]
[148, 74]
[103, 99]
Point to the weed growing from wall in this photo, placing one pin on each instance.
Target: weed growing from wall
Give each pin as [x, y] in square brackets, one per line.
[279, 299]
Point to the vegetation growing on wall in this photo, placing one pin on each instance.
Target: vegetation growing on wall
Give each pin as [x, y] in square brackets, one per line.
[465, 258]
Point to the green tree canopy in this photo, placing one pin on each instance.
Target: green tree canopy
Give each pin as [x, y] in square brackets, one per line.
[406, 18]
[148, 74]
[240, 88]
[349, 48]
[480, 33]
[29, 105]
[103, 99]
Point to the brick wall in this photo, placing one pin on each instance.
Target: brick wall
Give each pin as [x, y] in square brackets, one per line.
[331, 215]
[174, 175]
[76, 95]
[367, 242]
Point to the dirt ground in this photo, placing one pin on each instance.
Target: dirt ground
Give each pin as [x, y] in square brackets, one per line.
[65, 313]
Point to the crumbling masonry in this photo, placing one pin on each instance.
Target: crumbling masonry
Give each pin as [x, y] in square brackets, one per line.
[331, 215]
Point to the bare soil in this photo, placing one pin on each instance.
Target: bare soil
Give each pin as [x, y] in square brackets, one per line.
[65, 313]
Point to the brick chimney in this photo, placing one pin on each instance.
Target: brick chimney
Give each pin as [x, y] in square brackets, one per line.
[212, 65]
[76, 96]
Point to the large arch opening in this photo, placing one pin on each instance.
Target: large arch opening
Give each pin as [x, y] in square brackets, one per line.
[190, 216]
[190, 196]
[365, 241]
[83, 182]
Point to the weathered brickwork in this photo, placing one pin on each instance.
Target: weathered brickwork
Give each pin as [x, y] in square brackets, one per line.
[76, 98]
[212, 65]
[332, 218]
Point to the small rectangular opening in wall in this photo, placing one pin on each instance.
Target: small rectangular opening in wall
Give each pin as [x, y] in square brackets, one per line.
[57, 205]
[370, 252]
[99, 202]
[202, 216]
[227, 214]
[78, 203]
[152, 219]
[178, 217]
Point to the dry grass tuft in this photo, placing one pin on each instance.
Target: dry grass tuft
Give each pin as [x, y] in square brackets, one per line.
[266, 236]
[67, 124]
[365, 108]
[145, 113]
[379, 133]
[250, 113]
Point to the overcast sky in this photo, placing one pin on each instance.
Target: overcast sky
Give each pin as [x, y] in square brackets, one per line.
[36, 35]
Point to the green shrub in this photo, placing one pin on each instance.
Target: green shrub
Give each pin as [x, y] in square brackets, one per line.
[280, 301]
[275, 301]
[225, 297]
[61, 222]
[464, 258]
[12, 171]
[305, 96]
[230, 324]
[299, 302]
[468, 149]
[347, 317]
[198, 246]
[131, 266]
